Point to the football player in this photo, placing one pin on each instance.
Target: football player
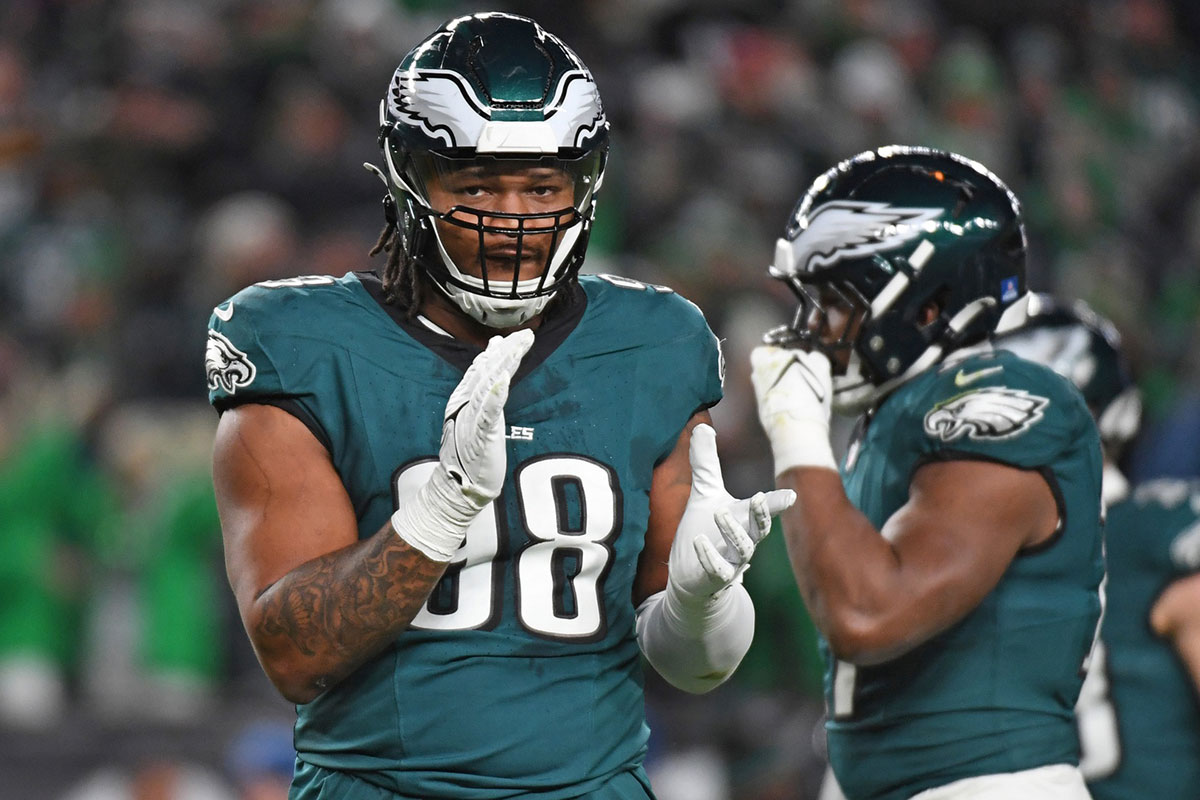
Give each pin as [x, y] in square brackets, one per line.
[953, 567]
[1139, 711]
[457, 496]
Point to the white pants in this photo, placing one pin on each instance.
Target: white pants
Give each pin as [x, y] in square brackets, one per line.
[1055, 782]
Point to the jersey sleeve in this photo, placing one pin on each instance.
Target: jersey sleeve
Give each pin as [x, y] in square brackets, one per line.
[1005, 410]
[239, 362]
[699, 349]
[262, 348]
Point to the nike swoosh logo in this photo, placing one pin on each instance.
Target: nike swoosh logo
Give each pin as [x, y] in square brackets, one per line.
[966, 378]
[224, 314]
[809, 376]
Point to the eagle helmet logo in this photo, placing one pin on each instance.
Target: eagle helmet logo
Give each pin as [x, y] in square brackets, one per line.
[990, 412]
[227, 368]
[842, 229]
[443, 105]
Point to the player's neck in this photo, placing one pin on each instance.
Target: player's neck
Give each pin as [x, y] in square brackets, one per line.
[439, 310]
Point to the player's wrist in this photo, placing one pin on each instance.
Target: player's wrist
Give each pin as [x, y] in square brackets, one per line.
[696, 647]
[801, 443]
[436, 518]
[691, 607]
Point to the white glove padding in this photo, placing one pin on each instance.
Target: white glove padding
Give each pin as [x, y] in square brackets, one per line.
[794, 389]
[718, 533]
[472, 462]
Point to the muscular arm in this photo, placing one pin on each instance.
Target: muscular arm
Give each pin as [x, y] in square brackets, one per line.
[1176, 617]
[669, 490]
[877, 594]
[315, 601]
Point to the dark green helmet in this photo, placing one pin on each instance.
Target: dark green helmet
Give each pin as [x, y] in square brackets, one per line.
[884, 234]
[496, 91]
[1085, 348]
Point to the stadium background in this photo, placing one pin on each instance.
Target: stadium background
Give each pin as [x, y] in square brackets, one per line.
[157, 155]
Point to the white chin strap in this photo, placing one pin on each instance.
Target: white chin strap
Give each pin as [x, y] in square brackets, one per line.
[496, 312]
[504, 312]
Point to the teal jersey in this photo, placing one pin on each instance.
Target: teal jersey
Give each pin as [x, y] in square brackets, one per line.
[1153, 538]
[995, 692]
[521, 675]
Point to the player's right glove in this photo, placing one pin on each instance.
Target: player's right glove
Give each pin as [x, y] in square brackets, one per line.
[794, 389]
[471, 461]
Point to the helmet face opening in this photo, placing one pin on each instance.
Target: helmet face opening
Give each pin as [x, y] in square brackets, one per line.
[479, 198]
[828, 319]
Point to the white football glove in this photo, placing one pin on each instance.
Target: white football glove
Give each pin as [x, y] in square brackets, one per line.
[471, 461]
[794, 391]
[718, 533]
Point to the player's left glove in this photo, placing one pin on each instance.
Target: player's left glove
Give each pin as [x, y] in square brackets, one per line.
[718, 533]
[794, 389]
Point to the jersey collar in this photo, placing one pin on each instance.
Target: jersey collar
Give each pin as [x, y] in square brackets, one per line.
[558, 321]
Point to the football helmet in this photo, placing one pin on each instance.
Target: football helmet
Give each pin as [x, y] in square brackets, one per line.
[879, 237]
[493, 90]
[1085, 348]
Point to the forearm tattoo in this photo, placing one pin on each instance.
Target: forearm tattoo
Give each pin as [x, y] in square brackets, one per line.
[346, 606]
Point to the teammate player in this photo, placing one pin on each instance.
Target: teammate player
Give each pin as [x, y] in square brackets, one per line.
[954, 580]
[1139, 711]
[458, 496]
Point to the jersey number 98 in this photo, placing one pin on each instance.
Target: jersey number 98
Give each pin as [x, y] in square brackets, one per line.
[570, 508]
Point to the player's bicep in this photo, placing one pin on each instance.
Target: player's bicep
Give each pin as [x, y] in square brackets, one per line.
[280, 500]
[964, 523]
[1176, 617]
[669, 490]
[1177, 607]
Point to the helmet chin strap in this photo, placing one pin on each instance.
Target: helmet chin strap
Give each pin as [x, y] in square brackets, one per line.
[495, 312]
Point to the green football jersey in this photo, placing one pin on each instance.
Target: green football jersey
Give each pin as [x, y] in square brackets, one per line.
[1152, 539]
[995, 692]
[522, 673]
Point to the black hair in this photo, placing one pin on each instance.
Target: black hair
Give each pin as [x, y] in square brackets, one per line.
[401, 281]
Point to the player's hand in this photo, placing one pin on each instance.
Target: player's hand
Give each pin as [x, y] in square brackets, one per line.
[794, 390]
[472, 450]
[471, 460]
[718, 533]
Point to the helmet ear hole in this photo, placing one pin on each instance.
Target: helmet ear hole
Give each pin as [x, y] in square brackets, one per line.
[930, 311]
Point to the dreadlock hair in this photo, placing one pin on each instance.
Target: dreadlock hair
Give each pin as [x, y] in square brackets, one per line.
[401, 283]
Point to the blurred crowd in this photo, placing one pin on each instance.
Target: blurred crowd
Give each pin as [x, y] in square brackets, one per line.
[158, 155]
